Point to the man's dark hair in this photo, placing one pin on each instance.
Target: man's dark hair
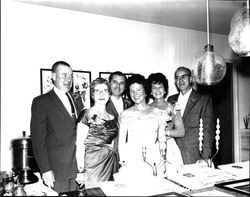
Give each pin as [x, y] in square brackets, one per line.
[119, 73]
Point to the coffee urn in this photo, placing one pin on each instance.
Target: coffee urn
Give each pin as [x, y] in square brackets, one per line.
[24, 164]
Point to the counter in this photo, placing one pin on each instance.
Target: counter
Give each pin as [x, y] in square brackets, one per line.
[211, 191]
[202, 182]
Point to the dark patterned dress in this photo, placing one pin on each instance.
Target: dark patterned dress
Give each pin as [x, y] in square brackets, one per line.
[100, 158]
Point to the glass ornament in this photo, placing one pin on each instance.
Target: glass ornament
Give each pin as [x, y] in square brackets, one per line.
[239, 36]
[209, 68]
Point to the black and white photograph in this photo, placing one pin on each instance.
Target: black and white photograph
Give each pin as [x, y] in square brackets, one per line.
[124, 97]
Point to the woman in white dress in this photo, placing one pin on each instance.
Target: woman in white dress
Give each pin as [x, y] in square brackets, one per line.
[171, 116]
[141, 143]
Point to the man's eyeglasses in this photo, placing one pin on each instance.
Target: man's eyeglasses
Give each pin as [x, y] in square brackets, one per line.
[184, 76]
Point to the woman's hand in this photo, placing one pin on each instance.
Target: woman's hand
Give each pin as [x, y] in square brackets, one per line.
[205, 163]
[80, 178]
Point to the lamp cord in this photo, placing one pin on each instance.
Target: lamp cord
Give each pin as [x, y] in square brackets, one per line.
[208, 41]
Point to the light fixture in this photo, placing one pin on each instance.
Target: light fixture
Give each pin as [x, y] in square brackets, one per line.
[239, 36]
[209, 68]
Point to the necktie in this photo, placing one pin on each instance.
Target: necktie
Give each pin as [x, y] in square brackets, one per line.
[72, 107]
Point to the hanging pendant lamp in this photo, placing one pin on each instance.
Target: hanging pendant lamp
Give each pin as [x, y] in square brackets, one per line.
[239, 36]
[209, 68]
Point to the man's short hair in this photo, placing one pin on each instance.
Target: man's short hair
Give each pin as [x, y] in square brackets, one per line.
[57, 64]
[119, 73]
[183, 68]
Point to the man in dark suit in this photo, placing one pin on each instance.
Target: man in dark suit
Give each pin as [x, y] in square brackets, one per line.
[53, 131]
[117, 102]
[194, 107]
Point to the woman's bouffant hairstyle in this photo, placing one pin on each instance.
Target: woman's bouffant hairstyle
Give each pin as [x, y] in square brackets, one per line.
[137, 78]
[157, 78]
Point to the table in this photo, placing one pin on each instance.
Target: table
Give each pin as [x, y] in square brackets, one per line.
[87, 192]
[237, 171]
[211, 191]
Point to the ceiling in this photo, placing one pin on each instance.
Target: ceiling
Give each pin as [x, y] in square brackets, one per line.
[188, 14]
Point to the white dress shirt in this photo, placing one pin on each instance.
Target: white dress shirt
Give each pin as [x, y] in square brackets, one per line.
[182, 100]
[62, 96]
[118, 103]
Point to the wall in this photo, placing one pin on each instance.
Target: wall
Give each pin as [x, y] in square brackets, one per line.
[34, 37]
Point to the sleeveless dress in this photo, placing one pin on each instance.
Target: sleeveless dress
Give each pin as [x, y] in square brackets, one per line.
[100, 158]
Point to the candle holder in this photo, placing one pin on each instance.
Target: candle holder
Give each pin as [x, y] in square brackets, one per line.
[217, 138]
[246, 120]
[162, 162]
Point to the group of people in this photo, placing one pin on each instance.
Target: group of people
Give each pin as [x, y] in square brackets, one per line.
[131, 128]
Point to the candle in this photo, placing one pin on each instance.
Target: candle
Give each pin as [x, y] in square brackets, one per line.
[217, 137]
[200, 135]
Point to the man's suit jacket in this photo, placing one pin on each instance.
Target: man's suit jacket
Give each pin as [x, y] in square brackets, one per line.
[198, 106]
[53, 136]
[110, 108]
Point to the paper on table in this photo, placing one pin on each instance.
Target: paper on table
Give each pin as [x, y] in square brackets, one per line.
[194, 177]
[144, 187]
[239, 169]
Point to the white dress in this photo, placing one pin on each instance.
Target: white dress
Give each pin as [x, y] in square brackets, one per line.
[139, 144]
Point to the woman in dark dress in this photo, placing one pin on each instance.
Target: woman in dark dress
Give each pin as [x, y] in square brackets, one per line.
[96, 158]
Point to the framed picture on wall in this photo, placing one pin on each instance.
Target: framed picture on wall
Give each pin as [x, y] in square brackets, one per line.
[80, 87]
[46, 80]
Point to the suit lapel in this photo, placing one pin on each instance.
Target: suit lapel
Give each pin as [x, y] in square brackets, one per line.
[126, 104]
[190, 103]
[59, 105]
[112, 108]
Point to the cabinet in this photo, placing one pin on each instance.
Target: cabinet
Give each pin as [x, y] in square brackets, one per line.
[244, 144]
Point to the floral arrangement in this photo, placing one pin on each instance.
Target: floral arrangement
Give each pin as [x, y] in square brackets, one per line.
[96, 120]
